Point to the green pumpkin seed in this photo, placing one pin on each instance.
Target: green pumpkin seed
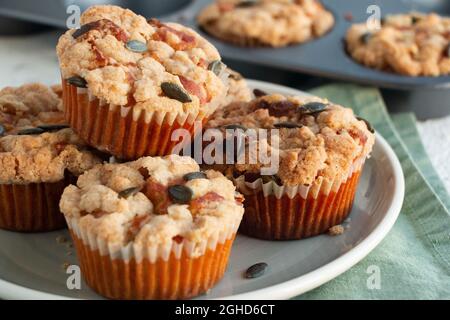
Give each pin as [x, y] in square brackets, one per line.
[2, 130]
[30, 131]
[256, 271]
[77, 81]
[53, 127]
[216, 66]
[194, 175]
[129, 192]
[368, 124]
[180, 194]
[288, 125]
[247, 3]
[365, 38]
[259, 93]
[235, 127]
[313, 108]
[174, 91]
[136, 46]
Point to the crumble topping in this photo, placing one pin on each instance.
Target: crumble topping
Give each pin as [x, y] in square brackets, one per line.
[413, 44]
[43, 158]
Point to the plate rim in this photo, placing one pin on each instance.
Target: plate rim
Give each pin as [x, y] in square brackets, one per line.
[298, 285]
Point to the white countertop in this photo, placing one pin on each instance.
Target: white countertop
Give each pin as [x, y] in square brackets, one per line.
[33, 59]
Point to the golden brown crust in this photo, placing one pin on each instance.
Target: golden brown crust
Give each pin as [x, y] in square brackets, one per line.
[101, 53]
[43, 158]
[413, 44]
[275, 23]
[324, 146]
[29, 105]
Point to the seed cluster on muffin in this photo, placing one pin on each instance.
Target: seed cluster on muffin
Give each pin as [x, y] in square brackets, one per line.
[151, 209]
[413, 44]
[274, 23]
[29, 106]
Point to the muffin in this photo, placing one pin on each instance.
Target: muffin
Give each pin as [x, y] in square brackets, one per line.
[29, 106]
[129, 83]
[317, 151]
[273, 23]
[155, 228]
[413, 44]
[35, 171]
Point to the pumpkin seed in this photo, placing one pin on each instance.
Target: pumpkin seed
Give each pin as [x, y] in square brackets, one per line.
[216, 66]
[174, 91]
[289, 125]
[256, 271]
[30, 131]
[2, 130]
[235, 127]
[77, 81]
[365, 38]
[180, 194]
[85, 28]
[129, 192]
[368, 124]
[53, 127]
[313, 108]
[136, 46]
[194, 175]
[259, 93]
[247, 3]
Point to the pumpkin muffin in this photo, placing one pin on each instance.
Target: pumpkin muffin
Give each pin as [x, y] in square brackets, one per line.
[317, 151]
[35, 171]
[128, 83]
[157, 226]
[274, 23]
[413, 44]
[29, 106]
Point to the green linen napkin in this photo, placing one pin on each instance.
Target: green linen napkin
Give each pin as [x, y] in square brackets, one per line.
[414, 258]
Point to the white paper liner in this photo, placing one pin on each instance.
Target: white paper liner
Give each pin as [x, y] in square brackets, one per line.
[154, 252]
[320, 186]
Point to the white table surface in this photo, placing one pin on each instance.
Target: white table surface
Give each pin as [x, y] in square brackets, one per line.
[33, 58]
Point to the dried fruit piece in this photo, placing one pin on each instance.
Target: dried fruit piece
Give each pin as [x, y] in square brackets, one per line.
[174, 91]
[197, 204]
[281, 108]
[289, 125]
[368, 124]
[144, 172]
[256, 270]
[194, 175]
[193, 88]
[216, 66]
[180, 194]
[129, 192]
[30, 131]
[136, 46]
[259, 93]
[77, 81]
[157, 194]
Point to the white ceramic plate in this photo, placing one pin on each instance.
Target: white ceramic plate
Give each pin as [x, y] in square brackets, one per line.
[31, 265]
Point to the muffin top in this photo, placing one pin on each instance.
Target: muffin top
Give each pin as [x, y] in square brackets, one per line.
[266, 22]
[28, 106]
[153, 201]
[412, 44]
[316, 139]
[43, 158]
[125, 60]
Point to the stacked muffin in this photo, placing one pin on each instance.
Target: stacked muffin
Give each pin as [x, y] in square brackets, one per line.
[160, 226]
